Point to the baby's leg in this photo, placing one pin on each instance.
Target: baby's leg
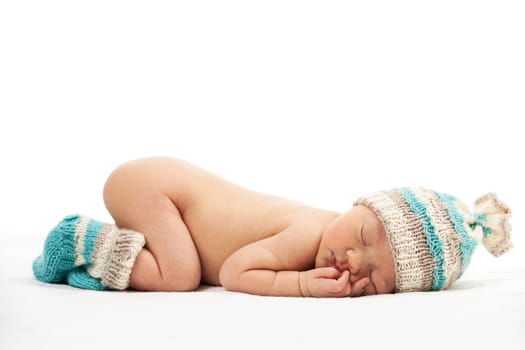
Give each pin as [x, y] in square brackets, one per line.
[137, 196]
[88, 254]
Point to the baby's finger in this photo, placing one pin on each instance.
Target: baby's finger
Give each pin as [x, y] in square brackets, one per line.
[344, 284]
[337, 287]
[344, 276]
[359, 286]
[328, 272]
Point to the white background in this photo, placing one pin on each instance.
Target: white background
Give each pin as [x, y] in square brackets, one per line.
[316, 101]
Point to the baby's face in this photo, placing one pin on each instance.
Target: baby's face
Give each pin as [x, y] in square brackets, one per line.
[356, 241]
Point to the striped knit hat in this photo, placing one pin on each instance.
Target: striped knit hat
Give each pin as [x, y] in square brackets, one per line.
[432, 235]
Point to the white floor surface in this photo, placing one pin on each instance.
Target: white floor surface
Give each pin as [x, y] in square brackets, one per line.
[485, 309]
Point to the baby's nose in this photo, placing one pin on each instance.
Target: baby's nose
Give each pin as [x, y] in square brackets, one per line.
[357, 265]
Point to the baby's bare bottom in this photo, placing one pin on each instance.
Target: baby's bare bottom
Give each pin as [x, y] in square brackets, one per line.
[137, 195]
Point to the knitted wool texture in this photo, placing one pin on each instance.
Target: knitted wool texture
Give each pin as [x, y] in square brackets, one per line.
[432, 235]
[88, 254]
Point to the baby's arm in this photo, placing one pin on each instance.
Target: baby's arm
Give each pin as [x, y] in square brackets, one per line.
[269, 267]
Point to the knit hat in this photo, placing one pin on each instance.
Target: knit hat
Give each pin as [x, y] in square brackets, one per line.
[432, 235]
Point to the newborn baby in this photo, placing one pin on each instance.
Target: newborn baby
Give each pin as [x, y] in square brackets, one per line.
[177, 226]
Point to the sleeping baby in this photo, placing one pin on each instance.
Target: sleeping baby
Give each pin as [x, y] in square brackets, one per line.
[178, 226]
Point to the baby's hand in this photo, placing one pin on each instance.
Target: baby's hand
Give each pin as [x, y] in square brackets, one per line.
[329, 282]
[324, 282]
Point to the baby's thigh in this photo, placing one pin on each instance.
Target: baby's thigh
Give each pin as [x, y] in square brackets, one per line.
[137, 200]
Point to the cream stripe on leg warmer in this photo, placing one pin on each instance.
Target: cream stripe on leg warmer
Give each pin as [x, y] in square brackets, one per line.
[107, 253]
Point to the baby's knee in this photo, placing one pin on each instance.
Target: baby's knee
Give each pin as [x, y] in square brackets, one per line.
[147, 275]
[189, 282]
[179, 279]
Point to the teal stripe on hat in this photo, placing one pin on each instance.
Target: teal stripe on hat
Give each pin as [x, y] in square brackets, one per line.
[433, 240]
[468, 244]
[480, 219]
[92, 232]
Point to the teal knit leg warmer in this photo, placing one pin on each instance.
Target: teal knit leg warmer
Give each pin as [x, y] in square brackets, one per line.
[80, 278]
[88, 254]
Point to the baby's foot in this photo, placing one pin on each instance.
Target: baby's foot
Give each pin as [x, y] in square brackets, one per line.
[68, 245]
[85, 253]
[80, 278]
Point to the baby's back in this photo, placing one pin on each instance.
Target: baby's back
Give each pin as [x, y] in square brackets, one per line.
[223, 217]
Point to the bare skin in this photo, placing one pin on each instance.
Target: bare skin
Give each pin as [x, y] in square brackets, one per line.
[201, 228]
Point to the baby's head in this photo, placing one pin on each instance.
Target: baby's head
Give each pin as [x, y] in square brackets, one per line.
[433, 235]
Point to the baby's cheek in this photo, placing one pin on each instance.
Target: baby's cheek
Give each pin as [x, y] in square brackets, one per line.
[369, 289]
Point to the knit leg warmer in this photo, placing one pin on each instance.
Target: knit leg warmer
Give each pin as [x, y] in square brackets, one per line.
[88, 254]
